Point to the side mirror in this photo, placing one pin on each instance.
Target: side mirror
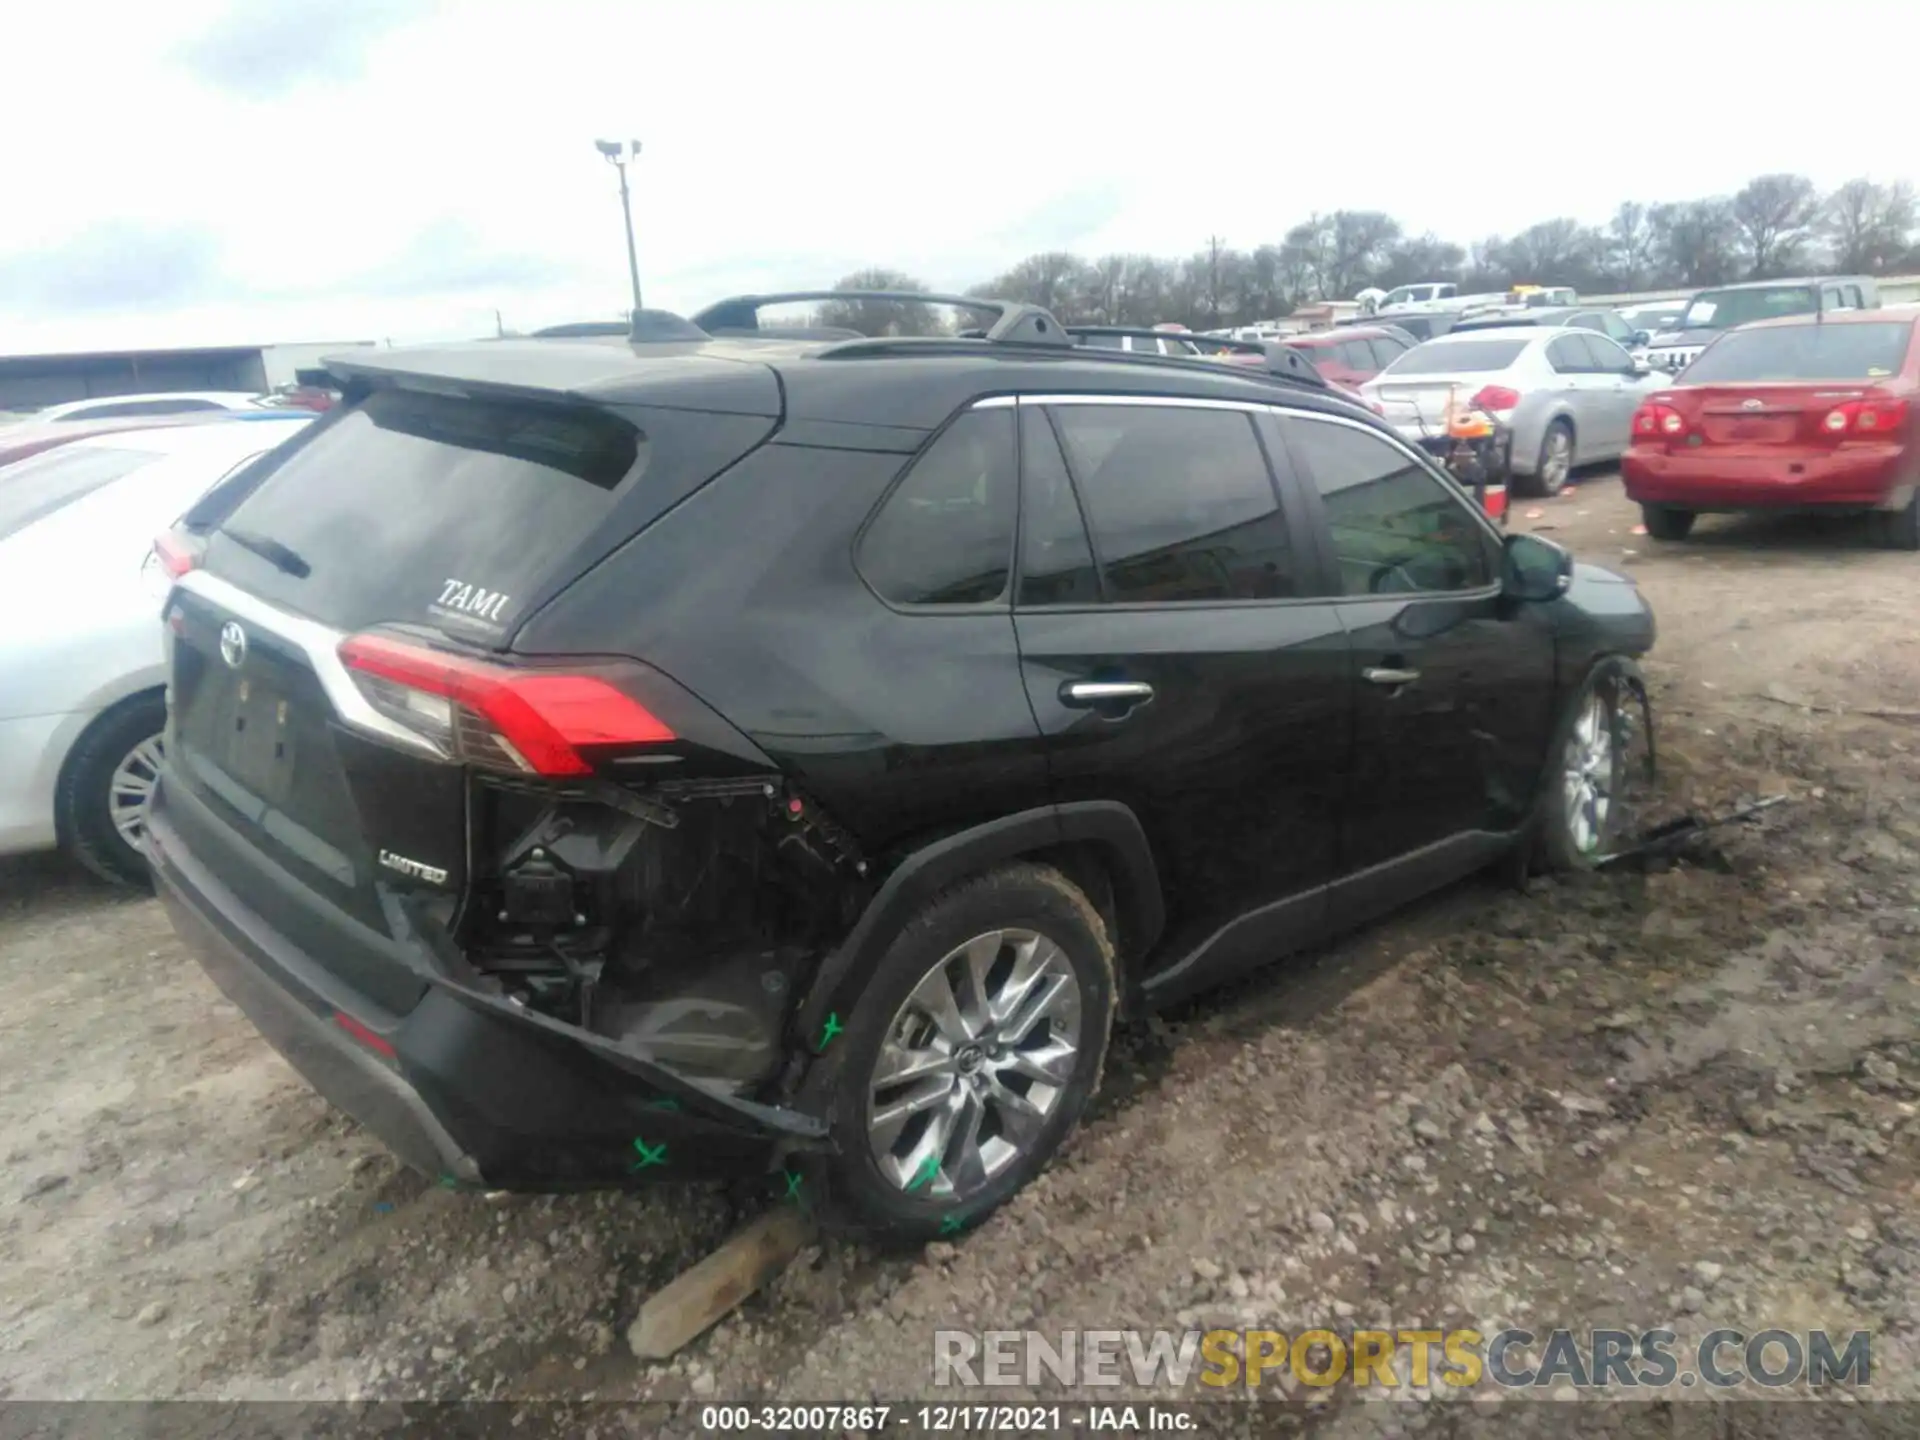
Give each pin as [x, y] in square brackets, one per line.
[1536, 569]
[1642, 337]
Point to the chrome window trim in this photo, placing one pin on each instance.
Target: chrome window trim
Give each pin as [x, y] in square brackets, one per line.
[321, 646]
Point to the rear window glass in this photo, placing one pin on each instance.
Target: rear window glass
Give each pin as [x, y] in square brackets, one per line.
[1805, 352]
[429, 508]
[945, 535]
[1722, 309]
[1460, 357]
[34, 488]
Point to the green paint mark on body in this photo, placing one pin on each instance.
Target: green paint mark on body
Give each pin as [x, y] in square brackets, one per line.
[793, 1186]
[951, 1224]
[827, 1031]
[665, 1102]
[654, 1155]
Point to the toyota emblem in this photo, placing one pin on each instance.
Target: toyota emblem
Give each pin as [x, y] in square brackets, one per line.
[1750, 404]
[233, 645]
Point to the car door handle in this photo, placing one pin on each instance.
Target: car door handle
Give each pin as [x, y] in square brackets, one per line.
[1105, 692]
[1377, 675]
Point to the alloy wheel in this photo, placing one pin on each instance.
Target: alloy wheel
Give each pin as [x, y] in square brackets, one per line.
[131, 788]
[1588, 776]
[974, 1064]
[1558, 459]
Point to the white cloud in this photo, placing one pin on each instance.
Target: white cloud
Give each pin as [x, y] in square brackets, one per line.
[397, 167]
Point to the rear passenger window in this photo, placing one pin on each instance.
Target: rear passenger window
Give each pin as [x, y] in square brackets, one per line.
[1396, 527]
[1568, 356]
[1056, 563]
[1180, 503]
[945, 534]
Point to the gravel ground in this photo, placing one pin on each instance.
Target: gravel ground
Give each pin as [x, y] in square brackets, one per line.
[1682, 1095]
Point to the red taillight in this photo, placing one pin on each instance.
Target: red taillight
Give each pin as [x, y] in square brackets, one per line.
[372, 1039]
[501, 717]
[1658, 422]
[177, 554]
[1496, 397]
[1865, 417]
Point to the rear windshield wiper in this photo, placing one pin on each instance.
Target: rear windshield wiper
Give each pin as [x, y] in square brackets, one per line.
[272, 551]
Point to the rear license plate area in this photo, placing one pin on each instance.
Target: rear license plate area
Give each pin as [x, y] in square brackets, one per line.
[253, 738]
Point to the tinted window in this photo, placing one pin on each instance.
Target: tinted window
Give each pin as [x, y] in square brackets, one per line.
[1569, 356]
[1608, 358]
[945, 534]
[1104, 342]
[1617, 330]
[1459, 357]
[1385, 351]
[1056, 563]
[1873, 351]
[1396, 527]
[1587, 321]
[1854, 298]
[1180, 503]
[34, 488]
[431, 508]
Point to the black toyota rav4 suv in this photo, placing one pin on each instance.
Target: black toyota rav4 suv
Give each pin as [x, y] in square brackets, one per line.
[720, 751]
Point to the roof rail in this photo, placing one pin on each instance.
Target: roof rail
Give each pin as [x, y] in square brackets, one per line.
[1282, 361]
[1012, 322]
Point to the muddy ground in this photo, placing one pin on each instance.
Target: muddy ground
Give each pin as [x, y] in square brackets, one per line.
[1683, 1096]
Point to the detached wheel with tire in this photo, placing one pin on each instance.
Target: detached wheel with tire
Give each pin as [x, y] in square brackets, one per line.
[100, 807]
[1581, 809]
[969, 1057]
[1900, 529]
[1554, 465]
[1663, 522]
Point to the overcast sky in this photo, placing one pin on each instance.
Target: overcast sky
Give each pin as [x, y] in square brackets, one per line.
[201, 172]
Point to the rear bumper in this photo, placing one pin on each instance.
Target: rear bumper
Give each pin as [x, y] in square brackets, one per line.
[463, 1087]
[1862, 479]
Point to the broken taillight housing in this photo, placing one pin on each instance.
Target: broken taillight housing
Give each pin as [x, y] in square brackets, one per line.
[518, 719]
[177, 552]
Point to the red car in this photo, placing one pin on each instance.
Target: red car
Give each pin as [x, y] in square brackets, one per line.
[1351, 355]
[1803, 413]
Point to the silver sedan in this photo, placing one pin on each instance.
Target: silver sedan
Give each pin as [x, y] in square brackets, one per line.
[1567, 396]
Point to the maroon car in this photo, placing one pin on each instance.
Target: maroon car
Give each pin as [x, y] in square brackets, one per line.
[1352, 355]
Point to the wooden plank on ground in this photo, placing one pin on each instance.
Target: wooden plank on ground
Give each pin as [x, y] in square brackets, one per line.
[697, 1298]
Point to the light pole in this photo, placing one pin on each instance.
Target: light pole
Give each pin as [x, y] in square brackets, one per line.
[617, 155]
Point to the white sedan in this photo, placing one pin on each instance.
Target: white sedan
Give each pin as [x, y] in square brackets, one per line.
[169, 402]
[82, 671]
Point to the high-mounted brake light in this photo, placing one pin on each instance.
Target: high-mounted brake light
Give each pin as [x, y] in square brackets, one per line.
[1658, 422]
[1866, 417]
[525, 720]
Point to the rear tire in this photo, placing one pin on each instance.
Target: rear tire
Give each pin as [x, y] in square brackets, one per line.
[1900, 529]
[976, 1128]
[1554, 465]
[1663, 522]
[100, 806]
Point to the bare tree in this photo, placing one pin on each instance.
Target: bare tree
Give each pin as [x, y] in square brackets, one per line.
[882, 317]
[1776, 215]
[1699, 242]
[1360, 242]
[1869, 226]
[1630, 245]
[1056, 280]
[1420, 257]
